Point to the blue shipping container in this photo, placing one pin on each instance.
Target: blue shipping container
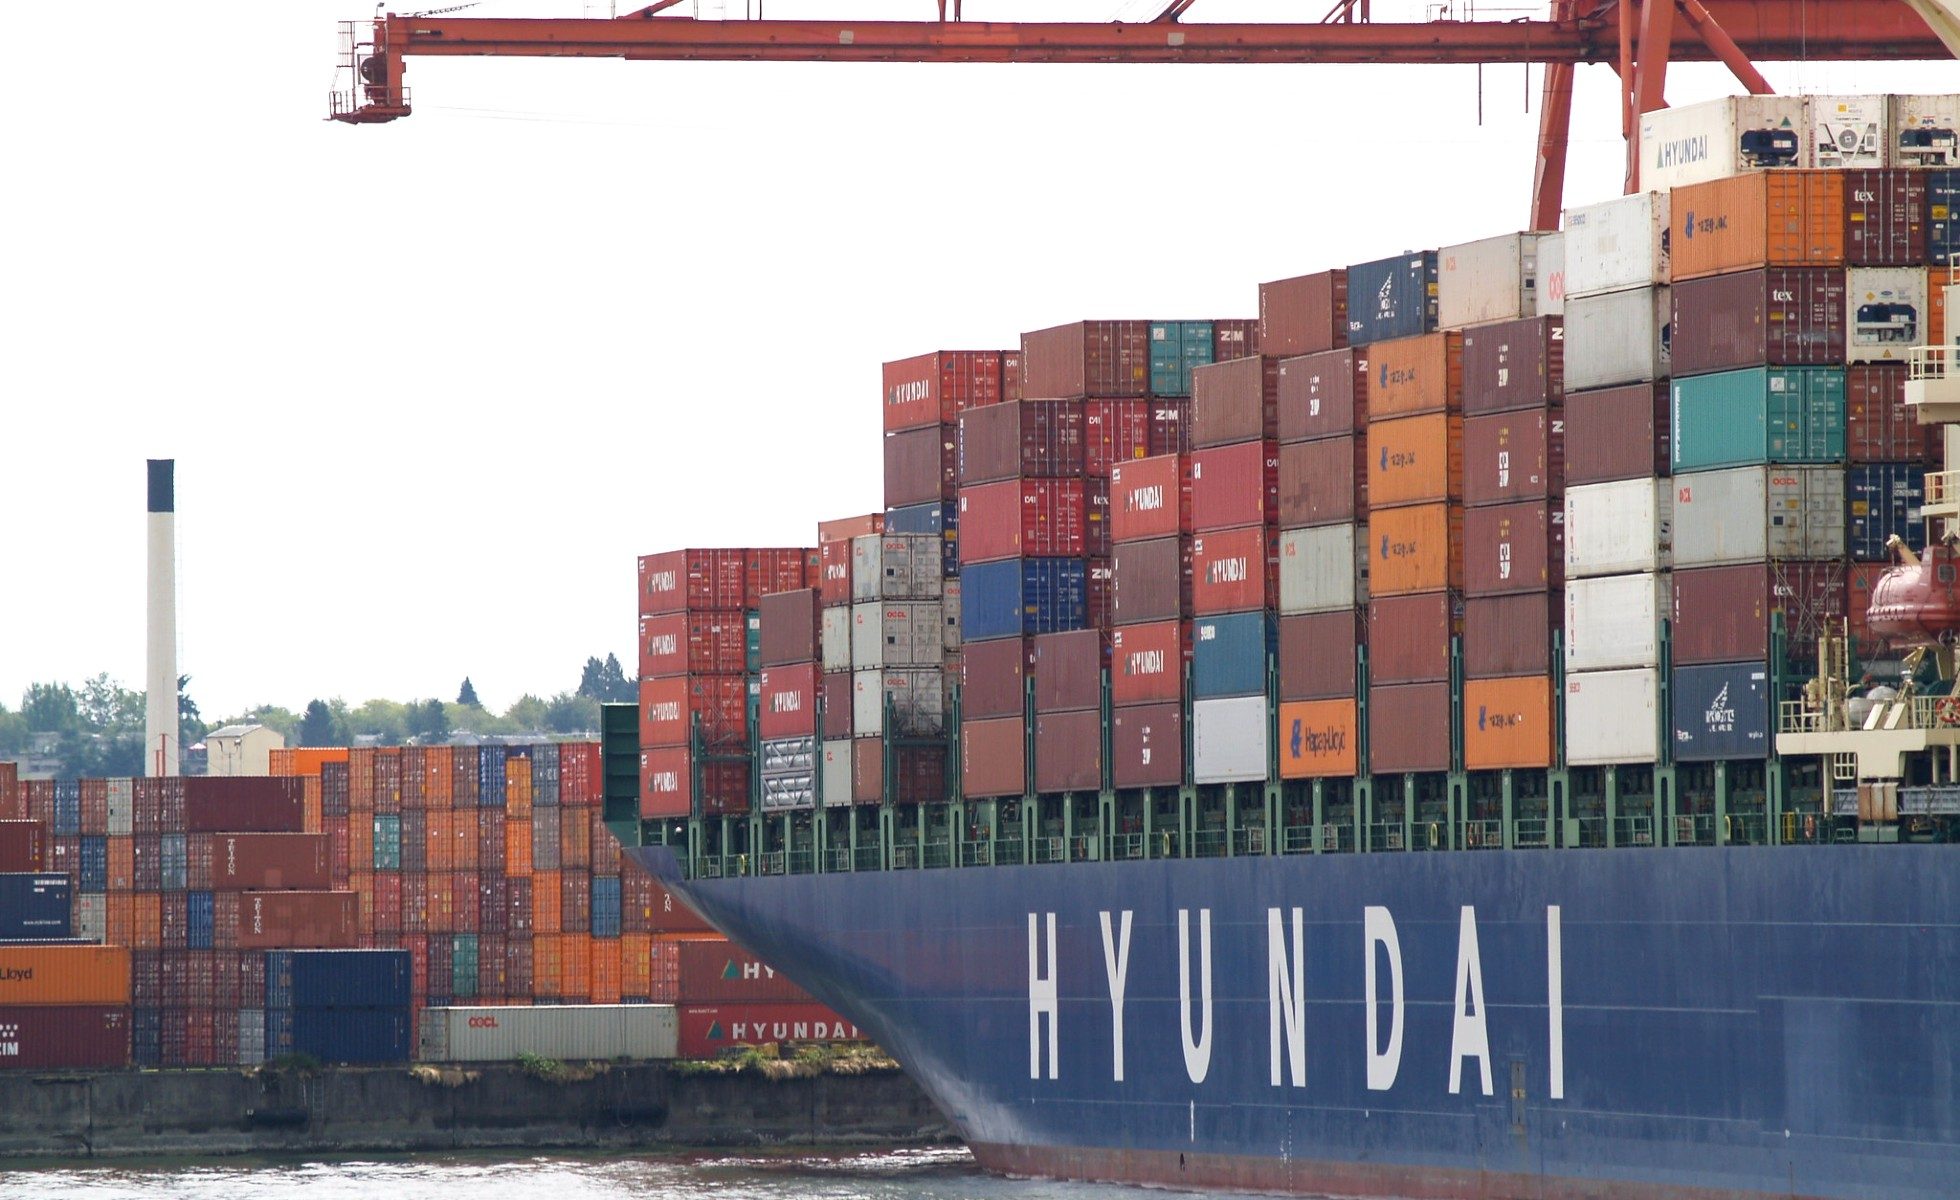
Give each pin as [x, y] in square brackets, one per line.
[1943, 230]
[67, 808]
[1016, 596]
[1883, 499]
[387, 842]
[336, 978]
[1229, 654]
[344, 1035]
[490, 775]
[605, 906]
[1391, 298]
[35, 906]
[95, 864]
[199, 921]
[146, 1037]
[1721, 711]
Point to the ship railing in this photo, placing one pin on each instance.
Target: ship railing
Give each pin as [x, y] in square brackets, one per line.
[905, 856]
[1208, 843]
[837, 858]
[976, 854]
[772, 862]
[1483, 835]
[1694, 829]
[1125, 846]
[1386, 835]
[1844, 802]
[1085, 847]
[1938, 800]
[1532, 833]
[1336, 838]
[1165, 843]
[1050, 849]
[1746, 829]
[1932, 362]
[1008, 850]
[939, 852]
[868, 858]
[802, 862]
[710, 866]
[1802, 829]
[1633, 830]
[1250, 840]
[1592, 830]
[1795, 716]
[1296, 839]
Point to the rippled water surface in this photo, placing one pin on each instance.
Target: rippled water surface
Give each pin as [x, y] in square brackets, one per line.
[936, 1174]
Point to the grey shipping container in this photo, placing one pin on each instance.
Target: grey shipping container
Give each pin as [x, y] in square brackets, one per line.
[568, 1032]
[918, 701]
[1620, 337]
[1749, 514]
[896, 566]
[897, 633]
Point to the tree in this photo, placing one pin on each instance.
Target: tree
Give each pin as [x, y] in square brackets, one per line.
[50, 708]
[527, 714]
[467, 696]
[107, 707]
[190, 723]
[316, 725]
[606, 682]
[566, 713]
[428, 721]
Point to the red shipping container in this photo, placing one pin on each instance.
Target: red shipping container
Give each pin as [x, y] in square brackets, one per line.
[62, 1037]
[784, 569]
[921, 773]
[933, 389]
[843, 529]
[668, 707]
[707, 1031]
[1096, 540]
[1303, 315]
[1409, 728]
[834, 571]
[1086, 358]
[1323, 482]
[1505, 636]
[298, 920]
[1409, 637]
[1022, 517]
[1881, 427]
[1234, 486]
[921, 466]
[1317, 655]
[1150, 498]
[667, 784]
[258, 804]
[1236, 401]
[1068, 670]
[717, 971]
[274, 861]
[1513, 548]
[1068, 751]
[1514, 365]
[1885, 215]
[1722, 614]
[789, 701]
[1322, 395]
[1147, 746]
[1782, 315]
[790, 627]
[993, 677]
[693, 643]
[22, 847]
[1021, 439]
[1514, 456]
[1151, 581]
[682, 580]
[1121, 431]
[1147, 662]
[1618, 433]
[993, 757]
[95, 806]
[1235, 571]
[668, 914]
[837, 704]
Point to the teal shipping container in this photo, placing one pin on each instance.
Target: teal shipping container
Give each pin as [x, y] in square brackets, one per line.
[1175, 348]
[387, 842]
[752, 624]
[1761, 415]
[463, 963]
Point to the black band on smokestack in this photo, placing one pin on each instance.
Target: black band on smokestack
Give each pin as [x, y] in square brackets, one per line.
[163, 487]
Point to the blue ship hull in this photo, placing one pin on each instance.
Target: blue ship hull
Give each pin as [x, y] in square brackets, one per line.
[1616, 1023]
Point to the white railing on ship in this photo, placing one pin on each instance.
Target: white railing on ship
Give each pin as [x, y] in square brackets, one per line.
[1921, 712]
[1931, 362]
[1942, 487]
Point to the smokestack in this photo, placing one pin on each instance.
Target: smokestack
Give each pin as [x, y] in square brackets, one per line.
[160, 727]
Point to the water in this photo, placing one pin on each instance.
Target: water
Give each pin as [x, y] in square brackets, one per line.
[933, 1174]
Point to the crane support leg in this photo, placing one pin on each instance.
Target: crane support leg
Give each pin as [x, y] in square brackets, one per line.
[1725, 49]
[1648, 83]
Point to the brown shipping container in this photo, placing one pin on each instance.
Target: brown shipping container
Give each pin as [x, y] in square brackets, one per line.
[921, 466]
[837, 704]
[1150, 498]
[1885, 218]
[1017, 518]
[665, 912]
[717, 971]
[1514, 456]
[21, 848]
[684, 580]
[68, 1037]
[1617, 433]
[1783, 316]
[1317, 481]
[1722, 614]
[843, 529]
[834, 570]
[63, 974]
[1236, 401]
[1086, 358]
[790, 621]
[1510, 635]
[1151, 581]
[1415, 549]
[1068, 751]
[933, 389]
[1147, 746]
[1147, 662]
[1517, 548]
[1068, 670]
[1784, 218]
[1303, 315]
[1881, 426]
[993, 677]
[1415, 460]
[271, 861]
[1233, 486]
[1514, 365]
[1507, 723]
[993, 757]
[1319, 739]
[697, 642]
[1409, 728]
[788, 706]
[299, 920]
[244, 804]
[1236, 570]
[1322, 395]
[1413, 375]
[1409, 637]
[1316, 655]
[1020, 439]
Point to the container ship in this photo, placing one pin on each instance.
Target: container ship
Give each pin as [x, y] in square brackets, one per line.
[1481, 728]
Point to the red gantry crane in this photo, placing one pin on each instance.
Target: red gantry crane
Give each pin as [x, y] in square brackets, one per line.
[1637, 38]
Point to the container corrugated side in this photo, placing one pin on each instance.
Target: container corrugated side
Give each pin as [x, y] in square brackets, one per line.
[1618, 528]
[1616, 245]
[1612, 717]
[1228, 739]
[64, 974]
[567, 1032]
[1322, 569]
[64, 1036]
[1614, 621]
[1618, 337]
[1748, 514]
[1721, 711]
[1717, 138]
[1319, 739]
[1507, 723]
[1492, 279]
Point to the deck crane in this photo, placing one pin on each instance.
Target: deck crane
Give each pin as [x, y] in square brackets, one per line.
[1637, 38]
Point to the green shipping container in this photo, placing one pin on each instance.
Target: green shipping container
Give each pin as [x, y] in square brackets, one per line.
[387, 843]
[1175, 348]
[462, 965]
[1758, 416]
[753, 646]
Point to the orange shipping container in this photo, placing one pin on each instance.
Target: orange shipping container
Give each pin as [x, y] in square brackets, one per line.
[1507, 723]
[1415, 549]
[607, 984]
[122, 863]
[305, 761]
[1318, 739]
[517, 848]
[442, 903]
[438, 761]
[312, 811]
[360, 780]
[1786, 218]
[575, 961]
[441, 841]
[1415, 460]
[120, 922]
[547, 902]
[636, 965]
[464, 826]
[547, 967]
[279, 763]
[1407, 376]
[147, 929]
[64, 974]
[517, 787]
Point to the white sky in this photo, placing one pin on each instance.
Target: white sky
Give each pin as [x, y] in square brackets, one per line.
[432, 386]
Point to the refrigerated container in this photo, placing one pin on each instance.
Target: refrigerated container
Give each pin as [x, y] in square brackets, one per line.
[896, 566]
[1228, 739]
[1612, 717]
[1613, 621]
[1889, 312]
[1323, 569]
[1492, 279]
[1618, 528]
[1850, 132]
[1716, 139]
[564, 1032]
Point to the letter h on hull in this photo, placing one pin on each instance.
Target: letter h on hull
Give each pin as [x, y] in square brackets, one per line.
[1044, 1000]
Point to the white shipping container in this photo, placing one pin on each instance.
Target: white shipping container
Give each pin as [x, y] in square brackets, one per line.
[1618, 528]
[789, 756]
[1925, 131]
[567, 1032]
[1720, 138]
[787, 793]
[918, 701]
[1749, 514]
[1228, 739]
[92, 916]
[1888, 312]
[896, 633]
[897, 566]
[835, 772]
[251, 1036]
[835, 634]
[1322, 569]
[1551, 275]
[1495, 279]
[1615, 621]
[1612, 717]
[949, 613]
[1851, 132]
[1618, 337]
[1616, 245]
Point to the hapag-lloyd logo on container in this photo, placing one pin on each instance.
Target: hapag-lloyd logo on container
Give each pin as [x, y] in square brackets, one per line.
[1488, 720]
[16, 974]
[1395, 549]
[1317, 743]
[1403, 376]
